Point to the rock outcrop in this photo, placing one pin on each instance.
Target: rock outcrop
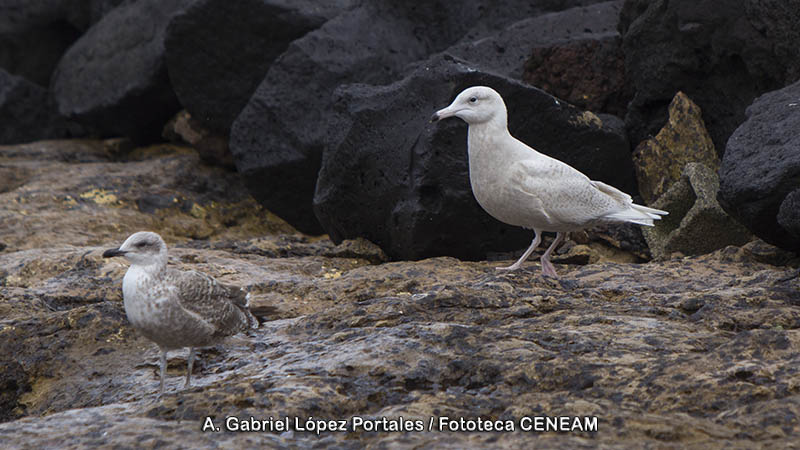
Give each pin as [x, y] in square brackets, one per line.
[761, 167]
[660, 160]
[218, 52]
[114, 78]
[26, 112]
[696, 223]
[279, 137]
[721, 54]
[35, 33]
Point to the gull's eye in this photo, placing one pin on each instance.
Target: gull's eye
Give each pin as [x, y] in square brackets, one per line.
[141, 244]
[473, 99]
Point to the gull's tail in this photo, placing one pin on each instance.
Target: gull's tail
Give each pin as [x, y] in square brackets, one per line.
[638, 214]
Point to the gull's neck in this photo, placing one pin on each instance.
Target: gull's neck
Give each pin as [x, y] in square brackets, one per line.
[153, 268]
[486, 134]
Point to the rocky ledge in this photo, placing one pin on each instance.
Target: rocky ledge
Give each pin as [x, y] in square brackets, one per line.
[685, 352]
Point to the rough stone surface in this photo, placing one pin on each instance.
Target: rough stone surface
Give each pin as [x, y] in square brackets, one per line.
[575, 55]
[696, 223]
[392, 178]
[721, 54]
[587, 73]
[278, 139]
[114, 78]
[35, 33]
[33, 52]
[219, 51]
[82, 193]
[80, 14]
[507, 52]
[660, 161]
[789, 214]
[212, 147]
[689, 352]
[26, 112]
[761, 166]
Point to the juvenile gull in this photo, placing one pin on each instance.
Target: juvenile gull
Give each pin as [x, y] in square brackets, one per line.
[177, 309]
[517, 185]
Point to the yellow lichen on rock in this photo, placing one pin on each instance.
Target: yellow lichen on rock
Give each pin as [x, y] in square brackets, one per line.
[101, 197]
[659, 161]
[587, 119]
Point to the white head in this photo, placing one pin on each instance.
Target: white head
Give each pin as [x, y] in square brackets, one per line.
[476, 105]
[143, 248]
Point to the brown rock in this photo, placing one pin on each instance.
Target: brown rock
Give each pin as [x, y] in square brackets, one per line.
[659, 161]
[587, 73]
[212, 147]
[82, 193]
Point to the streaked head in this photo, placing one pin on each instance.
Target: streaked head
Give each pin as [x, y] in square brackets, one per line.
[144, 247]
[475, 105]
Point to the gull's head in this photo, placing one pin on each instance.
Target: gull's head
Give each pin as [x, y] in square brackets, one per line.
[144, 248]
[475, 105]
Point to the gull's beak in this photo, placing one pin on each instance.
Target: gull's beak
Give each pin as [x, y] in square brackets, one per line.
[443, 114]
[110, 253]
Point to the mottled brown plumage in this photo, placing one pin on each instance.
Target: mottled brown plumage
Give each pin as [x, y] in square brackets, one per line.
[177, 309]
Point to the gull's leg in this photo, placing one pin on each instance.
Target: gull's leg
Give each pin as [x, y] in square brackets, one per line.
[547, 266]
[189, 363]
[534, 244]
[163, 370]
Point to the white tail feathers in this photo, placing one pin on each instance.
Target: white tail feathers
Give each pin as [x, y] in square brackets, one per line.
[638, 214]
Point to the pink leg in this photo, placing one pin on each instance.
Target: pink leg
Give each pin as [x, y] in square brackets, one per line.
[534, 244]
[547, 266]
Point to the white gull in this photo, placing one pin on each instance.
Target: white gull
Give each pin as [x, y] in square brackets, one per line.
[517, 185]
[177, 309]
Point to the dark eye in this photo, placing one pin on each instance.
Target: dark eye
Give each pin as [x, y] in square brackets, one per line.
[473, 99]
[141, 244]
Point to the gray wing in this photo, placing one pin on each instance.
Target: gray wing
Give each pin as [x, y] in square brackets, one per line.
[566, 195]
[223, 307]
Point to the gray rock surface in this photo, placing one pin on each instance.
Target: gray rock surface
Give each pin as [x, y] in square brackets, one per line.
[114, 78]
[789, 214]
[696, 224]
[27, 113]
[217, 51]
[506, 52]
[35, 33]
[761, 167]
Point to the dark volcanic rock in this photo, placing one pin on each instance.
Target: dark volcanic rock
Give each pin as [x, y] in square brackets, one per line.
[35, 33]
[114, 78]
[721, 54]
[219, 51]
[789, 214]
[761, 167]
[26, 112]
[80, 14]
[277, 140]
[391, 178]
[33, 52]
[506, 52]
